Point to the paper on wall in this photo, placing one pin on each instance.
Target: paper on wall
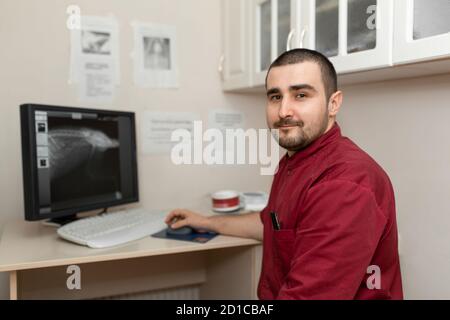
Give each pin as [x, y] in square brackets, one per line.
[95, 58]
[226, 119]
[155, 52]
[223, 119]
[96, 84]
[157, 128]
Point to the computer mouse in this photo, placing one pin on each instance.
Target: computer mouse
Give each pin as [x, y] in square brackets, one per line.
[183, 231]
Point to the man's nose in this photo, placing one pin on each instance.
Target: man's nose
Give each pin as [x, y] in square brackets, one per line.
[285, 110]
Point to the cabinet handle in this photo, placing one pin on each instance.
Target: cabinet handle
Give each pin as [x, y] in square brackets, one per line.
[302, 37]
[289, 40]
[220, 68]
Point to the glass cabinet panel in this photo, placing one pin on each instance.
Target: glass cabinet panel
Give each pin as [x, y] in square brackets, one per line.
[284, 24]
[361, 33]
[327, 27]
[266, 34]
[431, 18]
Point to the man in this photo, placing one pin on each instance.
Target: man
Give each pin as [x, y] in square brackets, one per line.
[336, 236]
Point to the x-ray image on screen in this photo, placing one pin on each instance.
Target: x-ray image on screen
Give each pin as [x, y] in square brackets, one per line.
[71, 147]
[84, 158]
[76, 160]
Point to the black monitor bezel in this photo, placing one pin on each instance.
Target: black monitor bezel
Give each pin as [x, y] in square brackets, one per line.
[29, 161]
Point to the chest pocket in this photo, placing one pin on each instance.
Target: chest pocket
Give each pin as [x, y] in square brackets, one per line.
[283, 252]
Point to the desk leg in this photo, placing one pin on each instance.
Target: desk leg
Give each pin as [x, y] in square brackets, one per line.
[232, 273]
[13, 285]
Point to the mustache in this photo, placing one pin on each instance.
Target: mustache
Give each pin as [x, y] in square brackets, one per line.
[288, 122]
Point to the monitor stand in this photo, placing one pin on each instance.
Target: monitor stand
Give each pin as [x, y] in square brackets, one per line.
[60, 221]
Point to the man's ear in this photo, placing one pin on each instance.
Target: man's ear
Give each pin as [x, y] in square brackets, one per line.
[335, 102]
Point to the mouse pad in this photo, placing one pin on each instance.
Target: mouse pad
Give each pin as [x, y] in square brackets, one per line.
[192, 237]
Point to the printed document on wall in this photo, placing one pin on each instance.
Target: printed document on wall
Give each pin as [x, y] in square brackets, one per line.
[95, 58]
[96, 83]
[157, 128]
[155, 52]
[223, 120]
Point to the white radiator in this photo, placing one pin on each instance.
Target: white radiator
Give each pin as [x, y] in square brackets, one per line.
[181, 293]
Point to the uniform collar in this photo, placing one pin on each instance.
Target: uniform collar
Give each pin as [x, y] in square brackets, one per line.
[320, 143]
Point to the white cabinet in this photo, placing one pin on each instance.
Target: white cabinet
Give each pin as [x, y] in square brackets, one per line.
[234, 65]
[362, 38]
[422, 30]
[273, 31]
[355, 34]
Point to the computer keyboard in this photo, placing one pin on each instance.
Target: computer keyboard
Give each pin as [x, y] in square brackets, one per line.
[113, 229]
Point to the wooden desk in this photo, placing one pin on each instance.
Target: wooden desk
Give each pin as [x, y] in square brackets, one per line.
[37, 260]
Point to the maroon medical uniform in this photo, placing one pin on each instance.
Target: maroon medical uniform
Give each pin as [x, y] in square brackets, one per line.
[336, 211]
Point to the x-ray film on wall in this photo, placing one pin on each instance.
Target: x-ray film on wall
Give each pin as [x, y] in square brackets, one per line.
[154, 56]
[156, 53]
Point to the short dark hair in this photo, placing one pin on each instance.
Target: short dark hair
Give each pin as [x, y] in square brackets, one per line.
[328, 72]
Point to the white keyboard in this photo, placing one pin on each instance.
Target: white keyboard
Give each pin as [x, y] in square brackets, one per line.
[113, 228]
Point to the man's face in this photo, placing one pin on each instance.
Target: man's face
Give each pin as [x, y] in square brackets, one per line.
[297, 104]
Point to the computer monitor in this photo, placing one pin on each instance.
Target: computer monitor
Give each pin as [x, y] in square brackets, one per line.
[76, 160]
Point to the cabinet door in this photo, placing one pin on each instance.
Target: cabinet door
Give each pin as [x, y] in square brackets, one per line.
[235, 61]
[287, 25]
[422, 30]
[274, 23]
[355, 34]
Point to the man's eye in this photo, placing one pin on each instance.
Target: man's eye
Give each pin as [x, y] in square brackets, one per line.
[301, 95]
[275, 98]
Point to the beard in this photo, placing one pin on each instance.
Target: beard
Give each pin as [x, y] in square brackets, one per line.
[299, 137]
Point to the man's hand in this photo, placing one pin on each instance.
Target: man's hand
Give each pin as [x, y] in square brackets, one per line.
[240, 225]
[179, 218]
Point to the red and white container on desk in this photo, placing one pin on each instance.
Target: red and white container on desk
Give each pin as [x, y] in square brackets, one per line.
[226, 201]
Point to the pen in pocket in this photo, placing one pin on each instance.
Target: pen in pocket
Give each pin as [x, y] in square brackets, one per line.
[275, 221]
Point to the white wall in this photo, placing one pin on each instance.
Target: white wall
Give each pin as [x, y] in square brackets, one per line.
[34, 58]
[404, 125]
